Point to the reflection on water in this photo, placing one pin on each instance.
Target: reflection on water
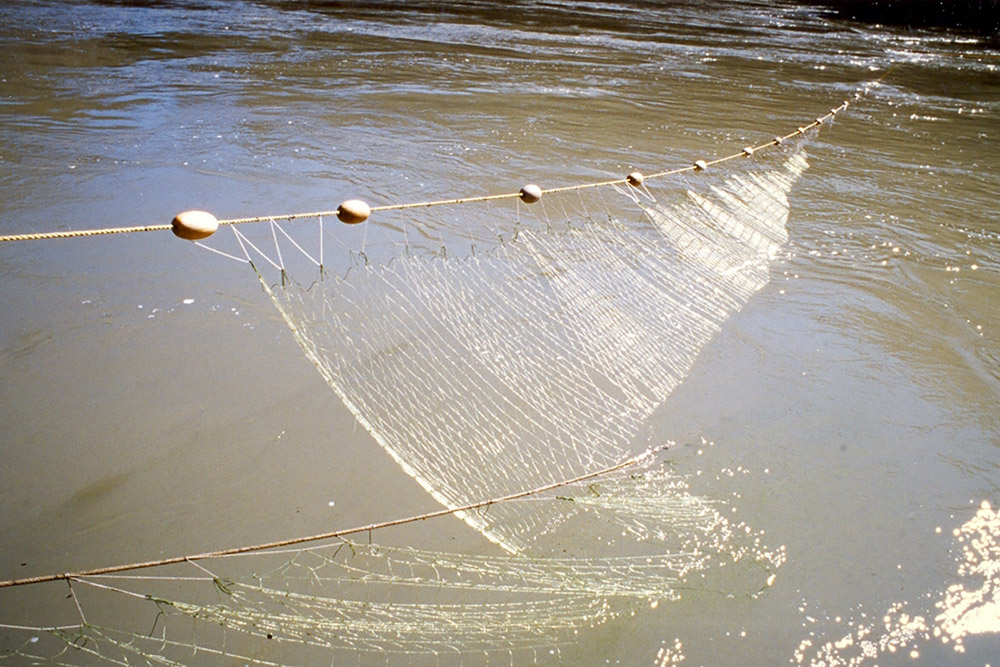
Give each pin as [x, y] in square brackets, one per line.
[153, 404]
[967, 608]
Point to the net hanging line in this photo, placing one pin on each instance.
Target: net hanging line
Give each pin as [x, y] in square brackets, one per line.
[509, 361]
[196, 225]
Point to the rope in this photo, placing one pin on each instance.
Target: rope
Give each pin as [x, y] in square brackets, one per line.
[83, 232]
[236, 551]
[440, 202]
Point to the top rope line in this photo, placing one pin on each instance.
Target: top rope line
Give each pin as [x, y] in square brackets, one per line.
[195, 225]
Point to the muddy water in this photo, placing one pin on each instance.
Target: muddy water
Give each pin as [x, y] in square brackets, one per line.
[152, 403]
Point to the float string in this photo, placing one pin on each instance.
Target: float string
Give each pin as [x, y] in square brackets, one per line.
[196, 225]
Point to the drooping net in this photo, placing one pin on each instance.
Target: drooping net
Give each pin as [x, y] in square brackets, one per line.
[489, 350]
[541, 359]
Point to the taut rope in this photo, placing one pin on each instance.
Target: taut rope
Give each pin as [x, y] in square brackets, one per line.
[529, 194]
[235, 551]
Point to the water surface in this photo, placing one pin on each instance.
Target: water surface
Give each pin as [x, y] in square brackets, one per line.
[154, 404]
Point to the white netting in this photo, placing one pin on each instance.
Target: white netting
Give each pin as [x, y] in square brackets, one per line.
[541, 359]
[365, 602]
[489, 351]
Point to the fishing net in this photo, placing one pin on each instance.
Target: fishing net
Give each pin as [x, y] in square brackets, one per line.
[541, 358]
[490, 349]
[368, 603]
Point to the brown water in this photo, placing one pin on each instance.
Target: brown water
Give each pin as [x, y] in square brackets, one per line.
[152, 402]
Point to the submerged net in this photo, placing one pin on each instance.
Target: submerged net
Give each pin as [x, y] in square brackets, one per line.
[372, 603]
[489, 350]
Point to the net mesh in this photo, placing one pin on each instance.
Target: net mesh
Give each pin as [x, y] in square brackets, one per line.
[541, 359]
[488, 351]
[365, 602]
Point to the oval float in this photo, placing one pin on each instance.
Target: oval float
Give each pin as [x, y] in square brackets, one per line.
[353, 211]
[530, 193]
[194, 225]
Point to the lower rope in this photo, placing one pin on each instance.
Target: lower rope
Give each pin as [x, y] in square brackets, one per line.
[633, 461]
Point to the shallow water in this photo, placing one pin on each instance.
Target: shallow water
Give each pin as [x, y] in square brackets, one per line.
[154, 404]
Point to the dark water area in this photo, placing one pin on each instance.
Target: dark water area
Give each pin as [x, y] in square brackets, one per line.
[153, 403]
[980, 17]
